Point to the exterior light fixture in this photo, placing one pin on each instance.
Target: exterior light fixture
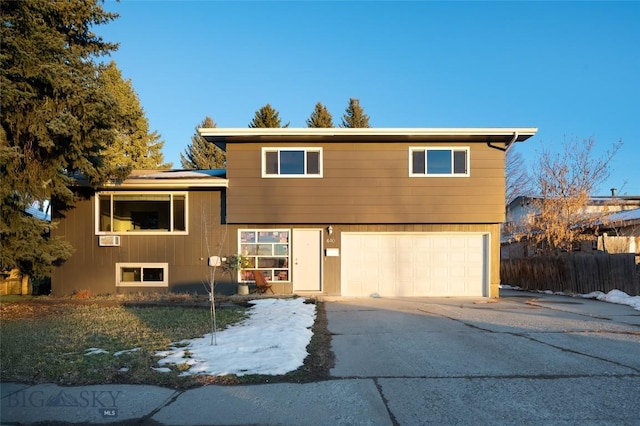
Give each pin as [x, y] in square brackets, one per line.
[330, 229]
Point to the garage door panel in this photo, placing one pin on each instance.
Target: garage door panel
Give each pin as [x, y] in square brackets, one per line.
[440, 243]
[458, 257]
[475, 256]
[414, 264]
[477, 243]
[439, 257]
[461, 272]
[458, 243]
[422, 244]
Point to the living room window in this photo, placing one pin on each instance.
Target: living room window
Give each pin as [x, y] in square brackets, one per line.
[291, 162]
[266, 250]
[141, 213]
[142, 274]
[438, 162]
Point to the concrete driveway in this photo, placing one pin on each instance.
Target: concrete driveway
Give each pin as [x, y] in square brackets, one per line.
[522, 359]
[525, 359]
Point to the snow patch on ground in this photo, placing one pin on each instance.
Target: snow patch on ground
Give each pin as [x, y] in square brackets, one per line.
[272, 341]
[126, 351]
[95, 351]
[614, 296]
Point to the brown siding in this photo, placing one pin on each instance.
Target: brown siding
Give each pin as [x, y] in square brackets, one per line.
[365, 183]
[93, 267]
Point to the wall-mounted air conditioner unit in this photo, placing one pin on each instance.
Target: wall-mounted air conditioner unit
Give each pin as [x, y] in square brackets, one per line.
[109, 240]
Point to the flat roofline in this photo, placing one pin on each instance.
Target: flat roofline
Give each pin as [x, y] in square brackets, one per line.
[165, 184]
[164, 179]
[339, 131]
[506, 135]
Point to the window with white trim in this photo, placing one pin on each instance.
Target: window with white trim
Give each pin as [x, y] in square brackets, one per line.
[266, 250]
[291, 162]
[141, 213]
[438, 162]
[142, 275]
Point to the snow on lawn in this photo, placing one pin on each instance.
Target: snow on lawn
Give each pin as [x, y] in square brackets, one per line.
[272, 341]
[614, 296]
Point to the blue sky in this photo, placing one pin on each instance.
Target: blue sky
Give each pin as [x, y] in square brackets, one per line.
[572, 69]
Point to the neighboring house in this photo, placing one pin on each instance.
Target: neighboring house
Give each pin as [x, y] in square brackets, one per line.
[620, 233]
[623, 223]
[352, 212]
[13, 281]
[616, 216]
[40, 211]
[523, 206]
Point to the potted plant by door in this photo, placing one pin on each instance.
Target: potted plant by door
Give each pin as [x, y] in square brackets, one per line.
[233, 265]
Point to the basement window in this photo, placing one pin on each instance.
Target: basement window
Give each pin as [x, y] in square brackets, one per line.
[142, 275]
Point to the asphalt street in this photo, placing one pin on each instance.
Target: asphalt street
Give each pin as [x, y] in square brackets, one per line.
[525, 358]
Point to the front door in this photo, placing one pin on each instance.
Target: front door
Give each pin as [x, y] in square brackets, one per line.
[307, 256]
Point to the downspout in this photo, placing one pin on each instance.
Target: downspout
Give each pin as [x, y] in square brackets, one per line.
[507, 145]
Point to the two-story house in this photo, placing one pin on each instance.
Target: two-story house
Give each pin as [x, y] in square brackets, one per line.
[352, 212]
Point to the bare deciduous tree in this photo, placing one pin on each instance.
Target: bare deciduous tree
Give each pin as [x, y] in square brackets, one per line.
[518, 180]
[564, 181]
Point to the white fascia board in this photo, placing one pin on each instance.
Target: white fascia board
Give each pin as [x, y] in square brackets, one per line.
[371, 131]
[169, 184]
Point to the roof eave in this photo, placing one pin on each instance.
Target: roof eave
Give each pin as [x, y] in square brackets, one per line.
[220, 136]
[166, 184]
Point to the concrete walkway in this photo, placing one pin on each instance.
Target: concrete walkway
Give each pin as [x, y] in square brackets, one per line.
[523, 359]
[324, 403]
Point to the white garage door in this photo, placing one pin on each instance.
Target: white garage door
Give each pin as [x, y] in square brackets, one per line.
[414, 264]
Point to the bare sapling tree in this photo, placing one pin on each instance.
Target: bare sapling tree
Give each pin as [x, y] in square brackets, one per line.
[518, 180]
[209, 281]
[565, 181]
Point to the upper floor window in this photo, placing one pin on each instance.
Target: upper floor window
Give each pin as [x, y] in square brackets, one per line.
[141, 212]
[291, 162]
[438, 161]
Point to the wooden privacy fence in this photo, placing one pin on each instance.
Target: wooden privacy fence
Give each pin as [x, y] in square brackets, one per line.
[573, 273]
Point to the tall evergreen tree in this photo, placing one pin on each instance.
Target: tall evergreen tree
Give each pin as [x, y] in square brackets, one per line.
[200, 154]
[354, 115]
[57, 119]
[134, 147]
[320, 117]
[266, 117]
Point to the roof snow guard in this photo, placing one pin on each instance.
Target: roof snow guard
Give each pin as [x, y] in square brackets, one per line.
[508, 136]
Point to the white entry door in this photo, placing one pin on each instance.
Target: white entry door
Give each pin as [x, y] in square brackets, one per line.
[306, 258]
